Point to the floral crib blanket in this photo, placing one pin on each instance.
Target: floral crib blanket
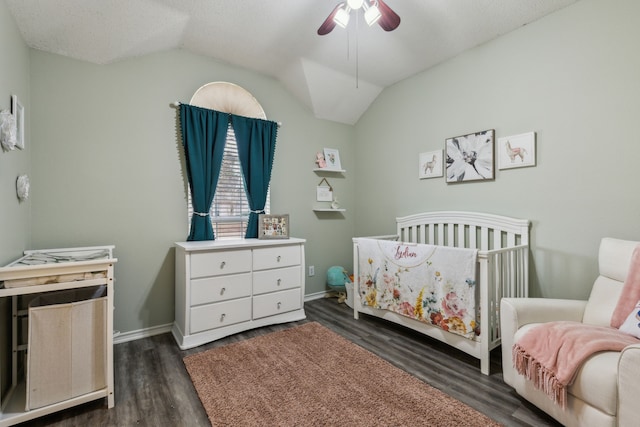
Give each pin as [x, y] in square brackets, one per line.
[432, 284]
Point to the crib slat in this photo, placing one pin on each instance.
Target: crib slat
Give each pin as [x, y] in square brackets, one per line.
[461, 236]
[484, 239]
[497, 239]
[472, 237]
[451, 228]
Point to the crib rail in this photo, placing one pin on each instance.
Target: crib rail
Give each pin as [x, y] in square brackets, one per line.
[463, 230]
[506, 272]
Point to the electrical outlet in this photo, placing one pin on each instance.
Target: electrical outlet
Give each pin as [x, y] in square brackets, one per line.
[312, 270]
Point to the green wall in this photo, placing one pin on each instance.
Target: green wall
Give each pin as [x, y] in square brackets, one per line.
[107, 169]
[15, 235]
[573, 77]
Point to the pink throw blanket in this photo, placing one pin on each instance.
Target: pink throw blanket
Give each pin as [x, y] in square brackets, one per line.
[550, 354]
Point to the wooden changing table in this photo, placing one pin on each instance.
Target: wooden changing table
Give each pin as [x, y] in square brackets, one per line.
[41, 272]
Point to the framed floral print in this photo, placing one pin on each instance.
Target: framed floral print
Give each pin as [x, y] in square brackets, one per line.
[470, 157]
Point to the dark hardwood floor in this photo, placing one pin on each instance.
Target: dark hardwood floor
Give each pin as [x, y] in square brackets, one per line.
[153, 388]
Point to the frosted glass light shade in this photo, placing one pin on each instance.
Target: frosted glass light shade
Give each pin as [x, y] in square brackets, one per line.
[371, 15]
[342, 17]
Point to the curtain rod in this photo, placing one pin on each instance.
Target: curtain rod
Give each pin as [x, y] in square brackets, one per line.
[177, 105]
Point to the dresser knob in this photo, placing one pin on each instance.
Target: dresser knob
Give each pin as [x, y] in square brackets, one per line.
[222, 316]
[279, 304]
[222, 291]
[222, 264]
[279, 281]
[279, 258]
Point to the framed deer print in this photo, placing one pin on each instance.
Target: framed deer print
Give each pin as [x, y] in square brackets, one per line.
[517, 151]
[430, 164]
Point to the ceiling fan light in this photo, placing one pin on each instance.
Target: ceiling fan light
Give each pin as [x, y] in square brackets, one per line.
[372, 14]
[355, 4]
[342, 17]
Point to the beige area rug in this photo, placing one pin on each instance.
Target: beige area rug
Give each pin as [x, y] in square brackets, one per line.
[310, 376]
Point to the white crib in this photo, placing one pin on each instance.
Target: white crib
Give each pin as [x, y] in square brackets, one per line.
[502, 270]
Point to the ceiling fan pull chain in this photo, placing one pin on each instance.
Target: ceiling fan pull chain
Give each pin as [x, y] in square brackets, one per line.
[357, 30]
[348, 46]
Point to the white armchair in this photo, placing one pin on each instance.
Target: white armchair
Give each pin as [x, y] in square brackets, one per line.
[607, 386]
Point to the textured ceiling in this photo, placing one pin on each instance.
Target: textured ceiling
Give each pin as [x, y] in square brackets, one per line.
[278, 37]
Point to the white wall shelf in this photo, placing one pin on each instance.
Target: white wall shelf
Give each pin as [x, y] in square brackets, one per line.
[333, 172]
[329, 170]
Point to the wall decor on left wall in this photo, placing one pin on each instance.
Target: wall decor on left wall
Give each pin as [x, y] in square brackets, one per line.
[7, 130]
[17, 109]
[22, 187]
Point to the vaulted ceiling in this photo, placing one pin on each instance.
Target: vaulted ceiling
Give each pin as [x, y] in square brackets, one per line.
[337, 75]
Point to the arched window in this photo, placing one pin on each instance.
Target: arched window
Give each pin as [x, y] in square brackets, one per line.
[230, 209]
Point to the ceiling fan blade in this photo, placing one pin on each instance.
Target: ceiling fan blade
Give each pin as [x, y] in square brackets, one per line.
[389, 20]
[329, 24]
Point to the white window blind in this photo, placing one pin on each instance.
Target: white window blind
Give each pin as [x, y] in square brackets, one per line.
[230, 208]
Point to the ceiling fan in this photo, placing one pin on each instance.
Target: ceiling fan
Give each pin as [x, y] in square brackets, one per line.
[374, 11]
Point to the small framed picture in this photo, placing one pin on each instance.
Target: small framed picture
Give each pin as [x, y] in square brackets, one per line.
[517, 151]
[273, 226]
[470, 157]
[332, 159]
[18, 111]
[324, 193]
[430, 164]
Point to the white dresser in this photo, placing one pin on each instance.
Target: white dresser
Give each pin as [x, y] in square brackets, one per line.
[228, 286]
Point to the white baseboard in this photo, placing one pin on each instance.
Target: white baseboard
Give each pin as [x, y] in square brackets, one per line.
[317, 295]
[120, 337]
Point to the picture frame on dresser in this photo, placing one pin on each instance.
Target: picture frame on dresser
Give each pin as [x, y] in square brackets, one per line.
[273, 226]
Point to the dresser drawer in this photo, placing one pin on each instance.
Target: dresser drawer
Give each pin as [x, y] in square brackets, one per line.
[275, 257]
[205, 264]
[220, 314]
[276, 303]
[220, 288]
[276, 280]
